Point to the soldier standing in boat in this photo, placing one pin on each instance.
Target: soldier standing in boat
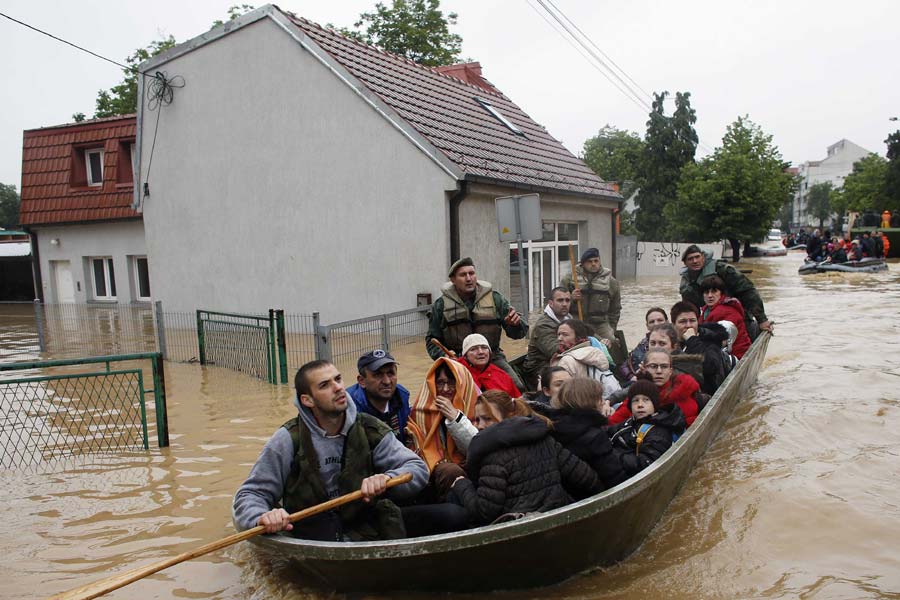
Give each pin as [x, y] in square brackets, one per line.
[594, 286]
[468, 305]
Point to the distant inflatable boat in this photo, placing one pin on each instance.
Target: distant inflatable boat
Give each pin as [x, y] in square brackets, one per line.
[866, 265]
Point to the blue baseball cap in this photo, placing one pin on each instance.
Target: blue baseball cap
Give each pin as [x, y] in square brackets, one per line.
[374, 360]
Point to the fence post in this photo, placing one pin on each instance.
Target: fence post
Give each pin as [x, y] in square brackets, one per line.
[282, 344]
[273, 357]
[386, 333]
[201, 343]
[323, 339]
[39, 321]
[160, 328]
[159, 397]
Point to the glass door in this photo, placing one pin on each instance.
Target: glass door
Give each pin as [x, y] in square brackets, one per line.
[543, 277]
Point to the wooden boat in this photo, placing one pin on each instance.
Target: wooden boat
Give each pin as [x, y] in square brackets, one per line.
[534, 551]
[866, 265]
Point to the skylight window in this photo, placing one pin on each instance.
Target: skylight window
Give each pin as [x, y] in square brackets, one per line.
[499, 116]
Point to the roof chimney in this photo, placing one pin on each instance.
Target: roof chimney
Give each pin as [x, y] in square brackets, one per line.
[469, 73]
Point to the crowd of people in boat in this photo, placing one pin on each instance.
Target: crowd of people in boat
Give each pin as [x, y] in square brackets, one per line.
[485, 442]
[825, 247]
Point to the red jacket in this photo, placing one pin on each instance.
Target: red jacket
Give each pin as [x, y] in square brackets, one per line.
[492, 378]
[729, 309]
[681, 390]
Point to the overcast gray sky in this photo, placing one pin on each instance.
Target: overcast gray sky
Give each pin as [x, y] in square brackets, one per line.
[808, 72]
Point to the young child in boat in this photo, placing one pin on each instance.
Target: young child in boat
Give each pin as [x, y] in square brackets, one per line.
[648, 432]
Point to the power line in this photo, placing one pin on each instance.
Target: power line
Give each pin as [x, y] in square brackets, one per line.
[630, 85]
[59, 39]
[586, 57]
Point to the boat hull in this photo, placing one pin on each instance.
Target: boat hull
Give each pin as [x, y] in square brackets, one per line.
[535, 551]
[866, 265]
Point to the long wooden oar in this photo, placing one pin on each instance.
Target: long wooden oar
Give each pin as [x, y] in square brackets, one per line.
[575, 280]
[104, 586]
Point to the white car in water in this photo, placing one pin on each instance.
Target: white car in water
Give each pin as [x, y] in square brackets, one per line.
[774, 235]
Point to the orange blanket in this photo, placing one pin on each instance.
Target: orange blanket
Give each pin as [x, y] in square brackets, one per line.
[425, 419]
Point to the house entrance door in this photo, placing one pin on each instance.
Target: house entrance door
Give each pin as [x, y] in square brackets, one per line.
[543, 276]
[62, 278]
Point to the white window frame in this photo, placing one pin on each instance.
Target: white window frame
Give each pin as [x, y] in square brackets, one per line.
[108, 278]
[499, 116]
[87, 166]
[137, 278]
[553, 245]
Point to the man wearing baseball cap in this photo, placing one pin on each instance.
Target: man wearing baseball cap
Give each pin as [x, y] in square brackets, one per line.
[598, 290]
[377, 393]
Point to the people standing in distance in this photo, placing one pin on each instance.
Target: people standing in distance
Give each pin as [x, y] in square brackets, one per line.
[327, 450]
[377, 393]
[468, 305]
[542, 344]
[598, 290]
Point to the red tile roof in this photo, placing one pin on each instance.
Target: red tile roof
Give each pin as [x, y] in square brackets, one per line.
[51, 163]
[444, 110]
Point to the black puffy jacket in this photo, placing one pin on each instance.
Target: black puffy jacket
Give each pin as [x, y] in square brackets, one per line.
[516, 466]
[667, 421]
[583, 433]
[716, 364]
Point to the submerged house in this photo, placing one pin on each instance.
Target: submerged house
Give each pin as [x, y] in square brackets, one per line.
[291, 167]
[77, 191]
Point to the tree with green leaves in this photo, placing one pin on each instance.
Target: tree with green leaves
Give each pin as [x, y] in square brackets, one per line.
[669, 146]
[614, 155]
[416, 29]
[818, 201]
[9, 206]
[735, 193]
[234, 12]
[864, 188]
[892, 173]
[122, 99]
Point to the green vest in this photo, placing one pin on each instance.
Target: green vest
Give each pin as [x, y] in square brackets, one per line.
[359, 521]
[461, 322]
[596, 290]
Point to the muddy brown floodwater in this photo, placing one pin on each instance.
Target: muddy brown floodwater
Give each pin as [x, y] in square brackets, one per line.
[797, 497]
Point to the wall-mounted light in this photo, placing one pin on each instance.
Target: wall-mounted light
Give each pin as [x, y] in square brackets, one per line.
[54, 242]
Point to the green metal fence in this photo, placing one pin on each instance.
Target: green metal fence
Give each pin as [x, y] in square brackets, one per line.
[64, 414]
[246, 343]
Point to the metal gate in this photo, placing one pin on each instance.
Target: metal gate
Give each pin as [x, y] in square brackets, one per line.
[252, 344]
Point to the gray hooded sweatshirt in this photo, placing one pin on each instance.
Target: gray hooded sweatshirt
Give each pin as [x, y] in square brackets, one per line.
[262, 490]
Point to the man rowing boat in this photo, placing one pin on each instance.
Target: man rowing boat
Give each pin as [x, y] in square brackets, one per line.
[327, 450]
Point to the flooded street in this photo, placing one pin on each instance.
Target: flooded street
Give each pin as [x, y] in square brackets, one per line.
[797, 497]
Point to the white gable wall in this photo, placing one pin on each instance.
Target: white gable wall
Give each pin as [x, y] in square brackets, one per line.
[273, 185]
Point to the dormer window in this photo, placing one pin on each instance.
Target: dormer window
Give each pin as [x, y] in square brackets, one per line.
[93, 162]
[499, 116]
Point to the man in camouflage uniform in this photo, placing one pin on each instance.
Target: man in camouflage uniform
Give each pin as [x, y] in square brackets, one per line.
[468, 305]
[699, 264]
[599, 294]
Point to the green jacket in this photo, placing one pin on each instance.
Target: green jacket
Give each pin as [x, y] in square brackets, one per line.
[438, 326]
[541, 346]
[359, 521]
[601, 297]
[738, 285]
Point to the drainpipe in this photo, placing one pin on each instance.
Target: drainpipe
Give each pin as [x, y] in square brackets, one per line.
[455, 200]
[614, 220]
[36, 266]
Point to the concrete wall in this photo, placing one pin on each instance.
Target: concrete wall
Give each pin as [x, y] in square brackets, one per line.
[664, 258]
[77, 243]
[274, 185]
[479, 237]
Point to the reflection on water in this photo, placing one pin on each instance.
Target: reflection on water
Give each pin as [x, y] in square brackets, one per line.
[797, 497]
